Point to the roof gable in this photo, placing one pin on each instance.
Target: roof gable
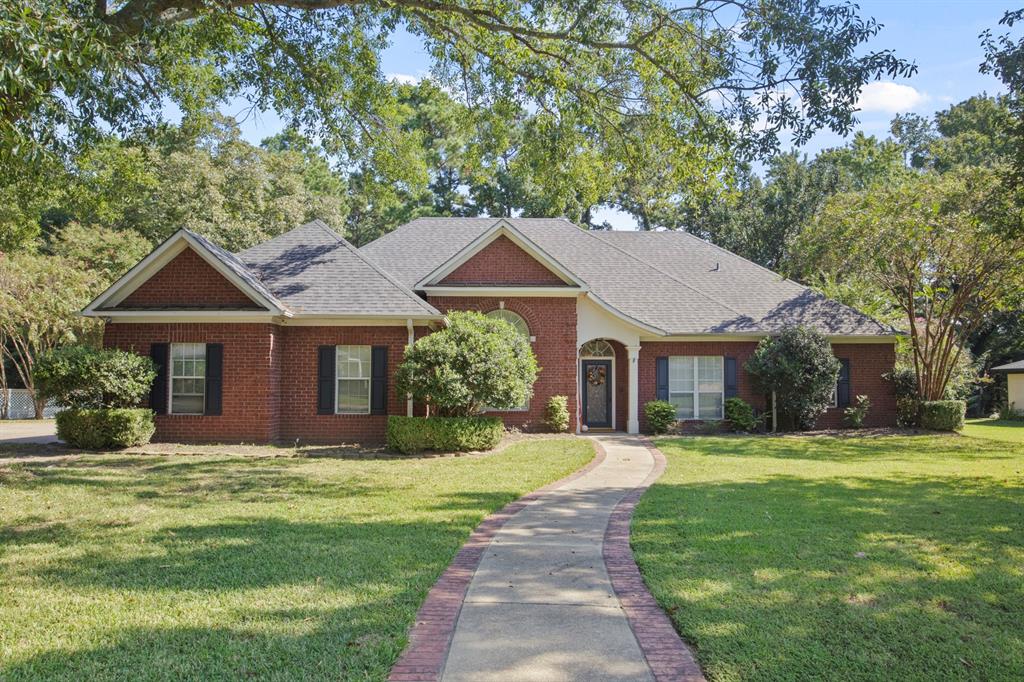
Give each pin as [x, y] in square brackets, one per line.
[188, 255]
[502, 262]
[502, 239]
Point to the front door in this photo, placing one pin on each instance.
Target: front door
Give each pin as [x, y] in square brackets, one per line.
[597, 393]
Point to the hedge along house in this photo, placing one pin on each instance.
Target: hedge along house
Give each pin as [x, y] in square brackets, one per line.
[299, 337]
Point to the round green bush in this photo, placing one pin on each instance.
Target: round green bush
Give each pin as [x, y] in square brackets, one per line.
[943, 415]
[556, 415]
[445, 434]
[740, 414]
[86, 377]
[661, 415]
[98, 429]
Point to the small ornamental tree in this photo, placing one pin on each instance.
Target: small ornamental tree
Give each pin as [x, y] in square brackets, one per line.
[799, 367]
[83, 377]
[477, 362]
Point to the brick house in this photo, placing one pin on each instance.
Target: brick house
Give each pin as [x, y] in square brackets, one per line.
[299, 337]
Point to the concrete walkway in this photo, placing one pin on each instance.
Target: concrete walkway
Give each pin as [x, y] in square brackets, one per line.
[22, 431]
[541, 605]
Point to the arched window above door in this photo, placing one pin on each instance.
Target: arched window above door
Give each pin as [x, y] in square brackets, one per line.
[598, 348]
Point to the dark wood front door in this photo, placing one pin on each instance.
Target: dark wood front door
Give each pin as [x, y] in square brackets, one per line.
[597, 393]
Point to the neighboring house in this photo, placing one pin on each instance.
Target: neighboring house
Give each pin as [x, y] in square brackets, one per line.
[1014, 372]
[299, 337]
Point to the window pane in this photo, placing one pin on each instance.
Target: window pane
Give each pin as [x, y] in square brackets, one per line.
[684, 405]
[711, 370]
[353, 362]
[187, 404]
[710, 405]
[680, 374]
[353, 395]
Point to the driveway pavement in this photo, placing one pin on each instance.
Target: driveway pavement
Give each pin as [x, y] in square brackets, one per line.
[15, 431]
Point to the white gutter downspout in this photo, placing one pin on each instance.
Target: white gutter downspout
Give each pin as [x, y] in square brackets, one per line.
[408, 396]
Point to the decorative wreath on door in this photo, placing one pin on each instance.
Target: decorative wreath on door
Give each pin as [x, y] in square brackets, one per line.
[596, 375]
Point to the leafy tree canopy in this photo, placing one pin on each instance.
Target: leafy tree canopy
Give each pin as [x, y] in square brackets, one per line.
[701, 76]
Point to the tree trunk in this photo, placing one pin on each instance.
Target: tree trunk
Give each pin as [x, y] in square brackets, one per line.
[39, 404]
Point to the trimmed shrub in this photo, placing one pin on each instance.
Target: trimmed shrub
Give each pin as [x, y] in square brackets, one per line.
[105, 428]
[857, 413]
[447, 434]
[740, 414]
[476, 363]
[86, 377]
[661, 415]
[943, 415]
[556, 414]
[799, 367]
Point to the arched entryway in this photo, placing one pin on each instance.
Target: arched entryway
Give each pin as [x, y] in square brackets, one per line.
[601, 361]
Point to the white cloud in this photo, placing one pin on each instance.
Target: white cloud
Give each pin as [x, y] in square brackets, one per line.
[403, 78]
[890, 98]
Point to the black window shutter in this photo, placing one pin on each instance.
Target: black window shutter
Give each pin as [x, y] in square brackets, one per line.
[325, 380]
[732, 380]
[379, 380]
[661, 377]
[158, 392]
[214, 378]
[843, 385]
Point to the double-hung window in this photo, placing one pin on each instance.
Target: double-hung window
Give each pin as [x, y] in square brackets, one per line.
[352, 375]
[188, 378]
[696, 386]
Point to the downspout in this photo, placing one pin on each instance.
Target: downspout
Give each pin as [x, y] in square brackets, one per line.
[412, 338]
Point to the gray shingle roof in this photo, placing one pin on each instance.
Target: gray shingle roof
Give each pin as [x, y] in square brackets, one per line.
[671, 281]
[1010, 367]
[316, 272]
[239, 268]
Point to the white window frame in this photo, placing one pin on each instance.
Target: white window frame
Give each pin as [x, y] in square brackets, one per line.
[500, 314]
[171, 377]
[835, 396]
[696, 392]
[367, 378]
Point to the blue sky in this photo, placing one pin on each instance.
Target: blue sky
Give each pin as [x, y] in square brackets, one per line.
[941, 36]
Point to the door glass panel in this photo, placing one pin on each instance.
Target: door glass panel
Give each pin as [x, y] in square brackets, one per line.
[596, 378]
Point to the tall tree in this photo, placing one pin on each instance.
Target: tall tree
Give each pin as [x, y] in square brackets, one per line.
[1004, 58]
[708, 73]
[948, 249]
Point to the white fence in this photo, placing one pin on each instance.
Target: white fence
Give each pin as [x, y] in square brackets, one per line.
[19, 405]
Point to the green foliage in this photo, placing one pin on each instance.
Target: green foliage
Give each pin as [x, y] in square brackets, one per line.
[858, 412]
[96, 429]
[943, 415]
[445, 434]
[661, 416]
[40, 297]
[476, 362]
[86, 377]
[100, 250]
[556, 413]
[799, 367]
[740, 414]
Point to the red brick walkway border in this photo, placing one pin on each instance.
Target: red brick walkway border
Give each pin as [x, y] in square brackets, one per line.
[431, 636]
[668, 657]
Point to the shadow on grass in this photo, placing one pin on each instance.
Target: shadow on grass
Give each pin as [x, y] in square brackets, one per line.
[849, 449]
[859, 578]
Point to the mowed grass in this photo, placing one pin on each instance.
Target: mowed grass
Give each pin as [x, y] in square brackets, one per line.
[996, 429]
[885, 558]
[117, 567]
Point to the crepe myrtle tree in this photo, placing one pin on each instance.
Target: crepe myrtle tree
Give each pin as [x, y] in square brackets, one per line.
[799, 368]
[476, 362]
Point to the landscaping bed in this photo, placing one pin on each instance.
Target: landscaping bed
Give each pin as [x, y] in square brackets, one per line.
[880, 558]
[118, 566]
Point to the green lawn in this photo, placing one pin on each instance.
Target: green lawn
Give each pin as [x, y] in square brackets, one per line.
[120, 567]
[886, 558]
[996, 429]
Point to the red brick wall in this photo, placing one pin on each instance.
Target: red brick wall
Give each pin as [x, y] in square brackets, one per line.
[299, 418]
[188, 281]
[502, 262]
[868, 362]
[553, 322]
[250, 389]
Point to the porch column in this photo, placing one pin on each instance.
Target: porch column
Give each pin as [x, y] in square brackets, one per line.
[633, 361]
